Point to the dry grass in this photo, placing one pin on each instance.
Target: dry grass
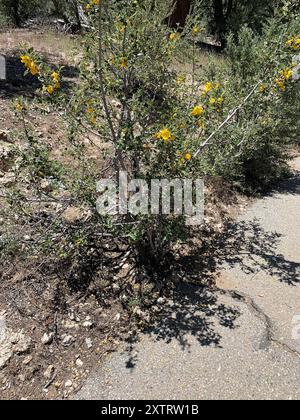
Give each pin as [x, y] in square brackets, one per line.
[47, 42]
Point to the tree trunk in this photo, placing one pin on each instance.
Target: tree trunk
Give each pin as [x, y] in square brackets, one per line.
[16, 15]
[77, 14]
[220, 21]
[180, 14]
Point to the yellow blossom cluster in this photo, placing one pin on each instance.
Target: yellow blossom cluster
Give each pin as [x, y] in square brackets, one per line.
[213, 92]
[92, 4]
[165, 134]
[90, 110]
[123, 63]
[29, 64]
[197, 111]
[284, 76]
[196, 30]
[181, 79]
[174, 36]
[262, 88]
[54, 85]
[19, 106]
[294, 43]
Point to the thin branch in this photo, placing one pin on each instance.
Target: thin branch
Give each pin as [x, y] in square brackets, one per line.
[229, 118]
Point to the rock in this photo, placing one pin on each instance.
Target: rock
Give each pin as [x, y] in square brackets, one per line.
[161, 301]
[46, 185]
[68, 384]
[126, 266]
[68, 340]
[11, 343]
[137, 311]
[47, 338]
[27, 360]
[89, 343]
[6, 354]
[76, 214]
[71, 315]
[70, 325]
[8, 180]
[116, 287]
[48, 374]
[79, 363]
[2, 328]
[87, 324]
[21, 343]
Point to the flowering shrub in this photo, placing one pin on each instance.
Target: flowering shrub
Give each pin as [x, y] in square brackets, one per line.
[154, 122]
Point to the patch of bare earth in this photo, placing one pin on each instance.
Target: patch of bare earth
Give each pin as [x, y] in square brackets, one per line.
[50, 337]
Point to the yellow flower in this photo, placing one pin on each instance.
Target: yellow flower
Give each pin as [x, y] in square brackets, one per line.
[201, 124]
[122, 28]
[92, 3]
[207, 88]
[29, 64]
[25, 60]
[165, 134]
[123, 63]
[181, 79]
[174, 36]
[281, 85]
[294, 43]
[287, 73]
[90, 110]
[212, 101]
[50, 89]
[33, 69]
[188, 156]
[19, 107]
[262, 88]
[197, 111]
[93, 119]
[55, 76]
[221, 100]
[196, 30]
[217, 86]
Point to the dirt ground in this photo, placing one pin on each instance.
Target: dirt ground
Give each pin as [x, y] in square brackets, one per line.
[50, 338]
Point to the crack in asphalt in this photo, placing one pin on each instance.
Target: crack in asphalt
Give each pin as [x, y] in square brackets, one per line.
[270, 337]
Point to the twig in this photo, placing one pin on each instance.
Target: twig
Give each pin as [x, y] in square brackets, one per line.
[229, 118]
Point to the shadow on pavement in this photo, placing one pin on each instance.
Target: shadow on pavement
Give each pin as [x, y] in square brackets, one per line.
[194, 307]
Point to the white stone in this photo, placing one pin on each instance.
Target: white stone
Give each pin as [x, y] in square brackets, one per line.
[89, 343]
[49, 372]
[79, 363]
[88, 324]
[68, 340]
[68, 384]
[47, 338]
